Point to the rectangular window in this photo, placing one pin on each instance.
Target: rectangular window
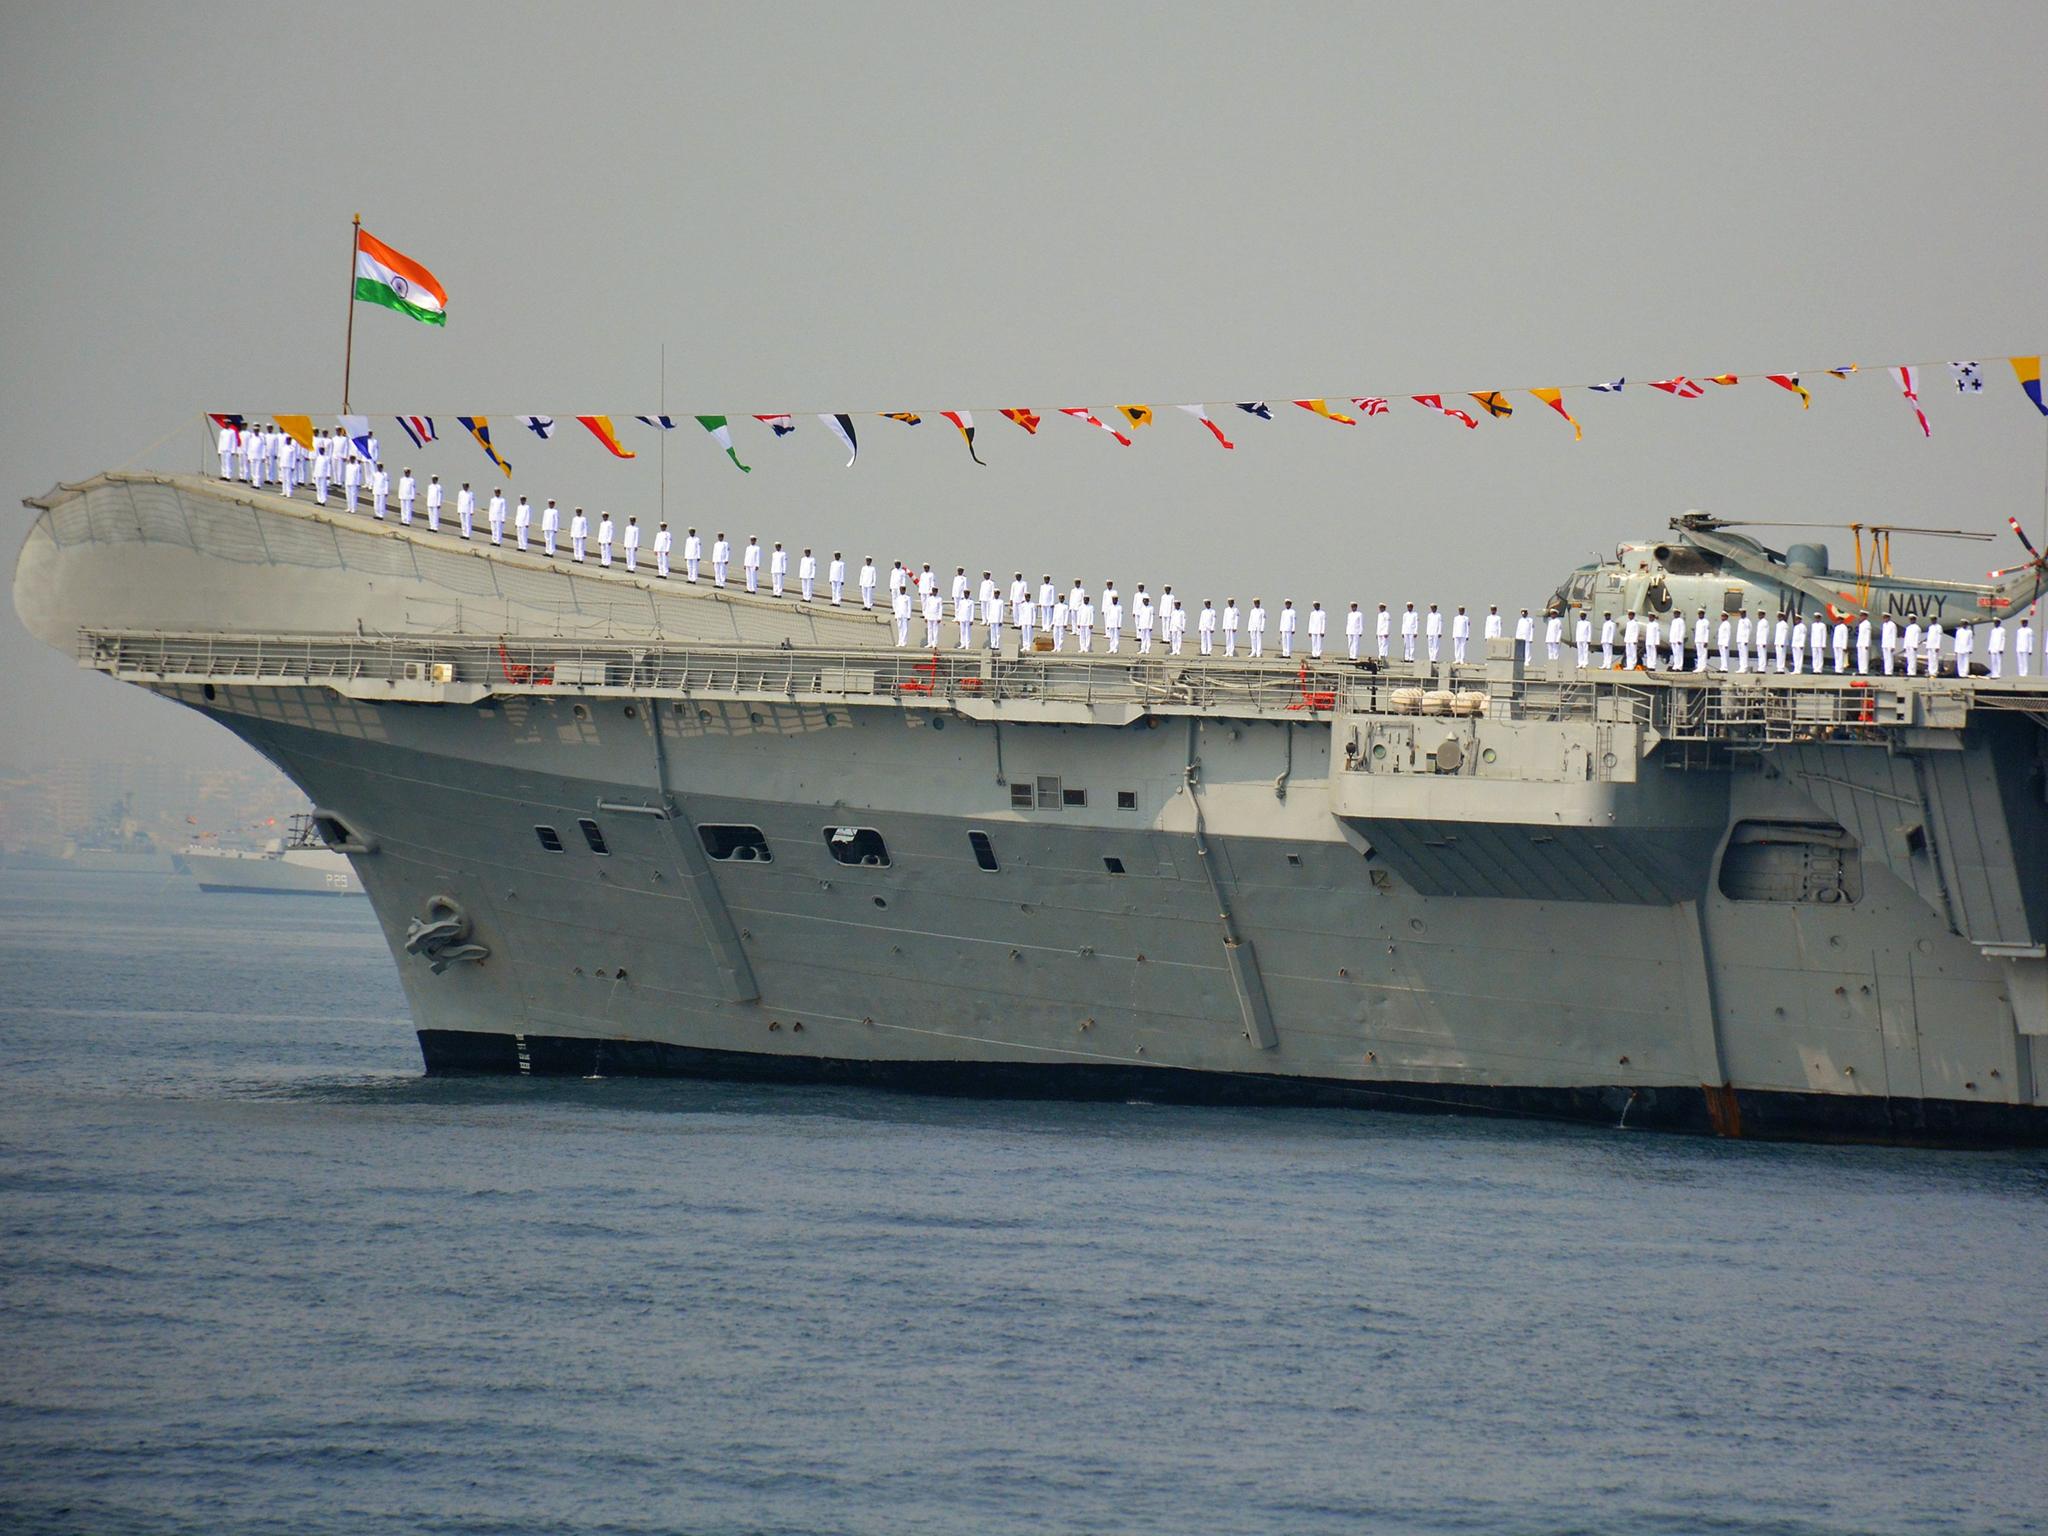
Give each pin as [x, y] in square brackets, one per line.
[734, 842]
[1731, 600]
[549, 839]
[1114, 866]
[1127, 799]
[857, 845]
[1021, 797]
[1048, 793]
[984, 850]
[592, 836]
[1075, 797]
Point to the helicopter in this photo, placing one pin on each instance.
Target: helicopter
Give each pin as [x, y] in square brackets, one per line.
[1706, 567]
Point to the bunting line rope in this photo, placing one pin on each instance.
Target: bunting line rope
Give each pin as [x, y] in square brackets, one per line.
[1125, 422]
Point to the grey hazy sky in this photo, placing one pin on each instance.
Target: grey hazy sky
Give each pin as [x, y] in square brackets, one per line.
[889, 206]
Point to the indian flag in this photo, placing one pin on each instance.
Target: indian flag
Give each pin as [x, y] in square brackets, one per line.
[397, 282]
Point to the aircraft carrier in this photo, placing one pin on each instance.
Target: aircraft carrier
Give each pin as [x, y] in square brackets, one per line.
[615, 825]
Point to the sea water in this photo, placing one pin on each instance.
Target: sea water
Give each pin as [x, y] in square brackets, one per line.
[257, 1274]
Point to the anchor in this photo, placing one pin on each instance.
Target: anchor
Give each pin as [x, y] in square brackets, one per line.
[441, 938]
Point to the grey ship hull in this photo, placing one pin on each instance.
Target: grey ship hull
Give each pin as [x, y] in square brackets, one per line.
[1571, 921]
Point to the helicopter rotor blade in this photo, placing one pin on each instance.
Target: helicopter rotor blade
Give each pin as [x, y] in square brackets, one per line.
[2016, 528]
[1936, 533]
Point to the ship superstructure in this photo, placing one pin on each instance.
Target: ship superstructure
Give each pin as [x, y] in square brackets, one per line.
[611, 825]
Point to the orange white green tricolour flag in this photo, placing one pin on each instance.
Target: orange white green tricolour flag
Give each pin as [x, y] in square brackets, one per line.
[383, 276]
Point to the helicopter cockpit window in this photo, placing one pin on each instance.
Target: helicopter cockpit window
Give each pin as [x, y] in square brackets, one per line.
[1581, 586]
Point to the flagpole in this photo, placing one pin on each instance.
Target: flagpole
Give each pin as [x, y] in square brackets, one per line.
[664, 433]
[348, 352]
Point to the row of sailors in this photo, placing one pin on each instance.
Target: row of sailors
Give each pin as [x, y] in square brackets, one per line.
[268, 455]
[1729, 645]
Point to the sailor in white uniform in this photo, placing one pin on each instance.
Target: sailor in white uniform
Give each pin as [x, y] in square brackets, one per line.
[1911, 645]
[934, 618]
[465, 508]
[1354, 633]
[1176, 623]
[408, 488]
[1083, 614]
[1255, 628]
[1492, 630]
[1994, 649]
[1965, 641]
[1607, 641]
[750, 563]
[522, 521]
[1025, 611]
[1582, 633]
[1724, 637]
[1062, 616]
[1525, 635]
[372, 449]
[1930, 637]
[693, 553]
[1319, 626]
[1863, 644]
[899, 610]
[1817, 639]
[579, 535]
[721, 559]
[1411, 625]
[380, 491]
[1553, 636]
[550, 525]
[494, 514]
[1652, 632]
[1888, 643]
[664, 542]
[604, 538]
[1632, 639]
[992, 620]
[291, 463]
[1781, 632]
[321, 469]
[963, 615]
[1745, 631]
[2023, 645]
[1288, 620]
[1142, 618]
[806, 575]
[1701, 633]
[436, 495]
[1433, 633]
[1045, 597]
[631, 543]
[986, 592]
[1205, 628]
[1839, 636]
[1230, 624]
[1677, 641]
[778, 568]
[1383, 631]
[229, 441]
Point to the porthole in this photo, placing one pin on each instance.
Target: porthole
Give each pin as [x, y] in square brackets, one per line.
[938, 722]
[580, 711]
[207, 693]
[830, 719]
[881, 902]
[1488, 755]
[632, 713]
[1379, 751]
[1127, 799]
[593, 836]
[754, 716]
[703, 716]
[984, 850]
[861, 846]
[742, 843]
[550, 839]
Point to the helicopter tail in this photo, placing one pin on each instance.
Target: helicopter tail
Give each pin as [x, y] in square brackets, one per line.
[2017, 586]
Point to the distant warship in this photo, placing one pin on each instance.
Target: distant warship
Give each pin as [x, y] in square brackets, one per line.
[297, 864]
[612, 824]
[113, 845]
